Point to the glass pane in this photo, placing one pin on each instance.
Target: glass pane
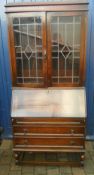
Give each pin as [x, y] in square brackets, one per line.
[29, 80]
[55, 67]
[77, 54]
[77, 34]
[16, 21]
[65, 37]
[39, 52]
[55, 48]
[25, 66]
[19, 80]
[27, 20]
[62, 34]
[19, 67]
[18, 51]
[69, 67]
[69, 35]
[31, 30]
[39, 62]
[16, 35]
[65, 80]
[76, 80]
[33, 67]
[54, 19]
[38, 19]
[78, 19]
[32, 43]
[65, 19]
[54, 32]
[28, 49]
[38, 41]
[38, 34]
[23, 29]
[24, 41]
[76, 67]
[54, 79]
[61, 66]
[55, 54]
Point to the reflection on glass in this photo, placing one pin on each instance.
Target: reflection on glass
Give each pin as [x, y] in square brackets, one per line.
[65, 37]
[19, 67]
[28, 49]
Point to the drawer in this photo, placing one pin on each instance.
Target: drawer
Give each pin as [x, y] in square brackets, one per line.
[21, 121]
[48, 141]
[44, 130]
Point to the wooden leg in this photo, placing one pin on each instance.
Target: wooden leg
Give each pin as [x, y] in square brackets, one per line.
[19, 160]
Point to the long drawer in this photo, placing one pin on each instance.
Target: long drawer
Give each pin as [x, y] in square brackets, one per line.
[43, 129]
[48, 141]
[20, 121]
[49, 126]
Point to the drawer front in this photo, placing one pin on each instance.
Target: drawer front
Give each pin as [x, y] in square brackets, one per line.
[50, 141]
[20, 121]
[44, 130]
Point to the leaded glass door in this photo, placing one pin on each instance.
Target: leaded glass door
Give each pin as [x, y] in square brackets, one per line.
[66, 35]
[47, 48]
[29, 45]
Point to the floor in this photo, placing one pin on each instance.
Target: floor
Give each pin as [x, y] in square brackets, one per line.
[8, 167]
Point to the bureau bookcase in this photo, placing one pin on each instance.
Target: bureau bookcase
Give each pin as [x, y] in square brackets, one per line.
[47, 43]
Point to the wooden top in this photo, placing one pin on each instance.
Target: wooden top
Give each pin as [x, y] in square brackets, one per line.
[48, 102]
[47, 3]
[73, 5]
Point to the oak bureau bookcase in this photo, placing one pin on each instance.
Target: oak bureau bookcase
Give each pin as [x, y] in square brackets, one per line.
[47, 43]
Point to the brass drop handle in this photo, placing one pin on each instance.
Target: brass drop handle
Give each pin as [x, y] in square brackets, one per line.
[25, 131]
[72, 131]
[72, 142]
[44, 53]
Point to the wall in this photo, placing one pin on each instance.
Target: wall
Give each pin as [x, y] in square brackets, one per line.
[5, 79]
[5, 76]
[90, 73]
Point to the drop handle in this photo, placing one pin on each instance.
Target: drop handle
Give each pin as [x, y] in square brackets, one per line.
[25, 131]
[72, 142]
[72, 131]
[44, 53]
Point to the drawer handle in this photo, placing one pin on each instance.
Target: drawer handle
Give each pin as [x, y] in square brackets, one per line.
[72, 142]
[25, 131]
[72, 131]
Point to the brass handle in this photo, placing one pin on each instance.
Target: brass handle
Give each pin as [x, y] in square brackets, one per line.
[25, 131]
[44, 53]
[72, 131]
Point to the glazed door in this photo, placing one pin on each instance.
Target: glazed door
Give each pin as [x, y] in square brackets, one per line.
[48, 49]
[66, 48]
[28, 51]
